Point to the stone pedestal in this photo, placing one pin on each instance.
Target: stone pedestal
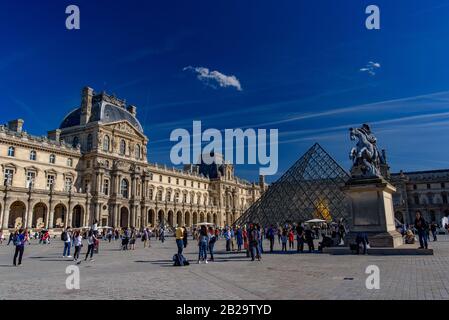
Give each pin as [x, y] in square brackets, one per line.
[371, 212]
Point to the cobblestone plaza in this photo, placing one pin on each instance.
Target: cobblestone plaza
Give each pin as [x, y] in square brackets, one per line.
[149, 274]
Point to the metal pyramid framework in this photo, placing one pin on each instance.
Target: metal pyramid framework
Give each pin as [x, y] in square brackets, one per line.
[309, 189]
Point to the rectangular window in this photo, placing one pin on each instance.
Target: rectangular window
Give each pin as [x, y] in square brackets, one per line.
[443, 185]
[68, 184]
[31, 176]
[50, 181]
[86, 186]
[169, 179]
[9, 174]
[177, 181]
[106, 187]
[150, 194]
[160, 178]
[428, 186]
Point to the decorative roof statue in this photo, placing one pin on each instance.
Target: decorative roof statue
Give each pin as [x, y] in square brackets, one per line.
[365, 156]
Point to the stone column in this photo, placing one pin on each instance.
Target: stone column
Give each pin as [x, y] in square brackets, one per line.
[5, 215]
[28, 216]
[51, 216]
[97, 211]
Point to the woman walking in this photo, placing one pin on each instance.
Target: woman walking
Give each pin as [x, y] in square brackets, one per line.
[291, 239]
[78, 242]
[91, 239]
[132, 239]
[212, 240]
[203, 241]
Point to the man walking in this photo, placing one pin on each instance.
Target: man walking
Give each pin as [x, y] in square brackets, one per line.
[19, 242]
[421, 226]
[66, 237]
[270, 236]
[300, 237]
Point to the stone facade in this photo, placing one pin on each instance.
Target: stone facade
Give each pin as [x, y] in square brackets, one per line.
[95, 167]
[426, 191]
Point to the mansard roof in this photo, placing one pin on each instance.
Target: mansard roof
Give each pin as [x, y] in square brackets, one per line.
[103, 112]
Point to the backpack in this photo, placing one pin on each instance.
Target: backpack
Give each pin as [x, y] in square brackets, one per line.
[180, 260]
[64, 236]
[17, 241]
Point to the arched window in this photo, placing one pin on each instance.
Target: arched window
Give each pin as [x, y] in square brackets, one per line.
[168, 196]
[52, 159]
[89, 142]
[159, 195]
[11, 152]
[75, 142]
[124, 188]
[33, 155]
[137, 151]
[122, 147]
[106, 142]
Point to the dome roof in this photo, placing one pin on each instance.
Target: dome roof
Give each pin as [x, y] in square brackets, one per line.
[104, 113]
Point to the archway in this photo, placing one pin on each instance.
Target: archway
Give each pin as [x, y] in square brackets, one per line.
[151, 217]
[187, 219]
[59, 216]
[124, 217]
[77, 217]
[209, 217]
[179, 218]
[161, 217]
[16, 215]
[39, 215]
[202, 217]
[195, 218]
[170, 218]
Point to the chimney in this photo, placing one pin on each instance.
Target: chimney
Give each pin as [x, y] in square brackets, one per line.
[132, 109]
[16, 125]
[262, 182]
[86, 105]
[54, 135]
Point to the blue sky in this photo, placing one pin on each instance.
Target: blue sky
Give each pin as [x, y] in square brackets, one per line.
[298, 64]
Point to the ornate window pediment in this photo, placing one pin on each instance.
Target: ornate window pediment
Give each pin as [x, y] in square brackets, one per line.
[9, 165]
[51, 171]
[32, 169]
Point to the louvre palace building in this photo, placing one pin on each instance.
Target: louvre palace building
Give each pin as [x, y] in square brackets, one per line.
[94, 166]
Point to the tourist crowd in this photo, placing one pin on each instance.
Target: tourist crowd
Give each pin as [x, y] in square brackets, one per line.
[248, 238]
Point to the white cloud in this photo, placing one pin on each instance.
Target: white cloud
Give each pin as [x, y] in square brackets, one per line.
[214, 78]
[371, 68]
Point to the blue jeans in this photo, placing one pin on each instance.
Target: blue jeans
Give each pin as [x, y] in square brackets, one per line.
[67, 246]
[211, 250]
[180, 244]
[422, 238]
[203, 251]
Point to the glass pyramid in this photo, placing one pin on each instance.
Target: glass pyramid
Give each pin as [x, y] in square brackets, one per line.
[309, 189]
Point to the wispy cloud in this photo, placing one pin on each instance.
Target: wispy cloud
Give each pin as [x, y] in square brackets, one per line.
[214, 78]
[371, 68]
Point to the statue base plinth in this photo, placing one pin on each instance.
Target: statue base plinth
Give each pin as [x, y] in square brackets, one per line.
[371, 211]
